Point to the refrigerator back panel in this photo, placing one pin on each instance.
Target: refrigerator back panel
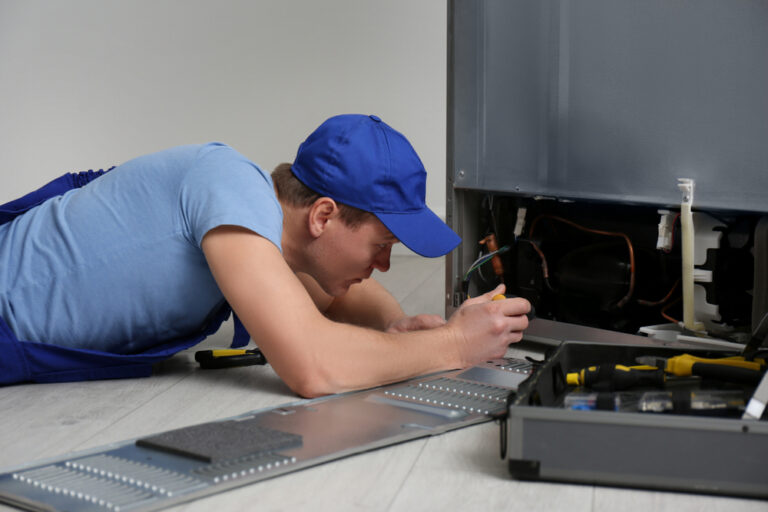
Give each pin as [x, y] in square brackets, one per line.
[611, 100]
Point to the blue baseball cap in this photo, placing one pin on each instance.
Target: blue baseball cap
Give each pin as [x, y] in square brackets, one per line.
[361, 161]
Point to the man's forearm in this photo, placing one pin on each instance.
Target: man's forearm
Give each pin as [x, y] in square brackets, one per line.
[366, 304]
[345, 357]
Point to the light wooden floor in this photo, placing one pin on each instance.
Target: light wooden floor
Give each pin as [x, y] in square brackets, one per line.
[460, 470]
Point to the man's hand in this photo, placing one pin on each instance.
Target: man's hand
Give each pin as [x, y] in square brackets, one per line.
[415, 323]
[484, 328]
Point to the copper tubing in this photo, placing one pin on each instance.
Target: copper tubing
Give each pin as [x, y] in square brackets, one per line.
[492, 245]
[631, 289]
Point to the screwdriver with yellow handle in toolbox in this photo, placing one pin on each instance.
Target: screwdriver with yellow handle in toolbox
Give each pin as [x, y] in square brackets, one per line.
[616, 377]
[652, 372]
[736, 369]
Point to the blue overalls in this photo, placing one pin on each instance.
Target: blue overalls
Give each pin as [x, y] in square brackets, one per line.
[27, 361]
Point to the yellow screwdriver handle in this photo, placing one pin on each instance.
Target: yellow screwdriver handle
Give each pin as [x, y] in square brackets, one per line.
[682, 365]
[227, 352]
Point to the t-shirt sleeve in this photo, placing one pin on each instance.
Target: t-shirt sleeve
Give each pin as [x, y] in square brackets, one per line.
[225, 188]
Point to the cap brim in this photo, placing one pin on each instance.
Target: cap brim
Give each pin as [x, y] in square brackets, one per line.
[423, 232]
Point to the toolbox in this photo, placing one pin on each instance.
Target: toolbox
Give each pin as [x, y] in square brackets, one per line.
[549, 436]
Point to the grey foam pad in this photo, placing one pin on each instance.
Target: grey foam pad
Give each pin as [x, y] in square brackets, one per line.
[223, 440]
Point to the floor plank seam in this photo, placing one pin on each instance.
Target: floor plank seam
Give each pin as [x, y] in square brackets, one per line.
[78, 447]
[405, 478]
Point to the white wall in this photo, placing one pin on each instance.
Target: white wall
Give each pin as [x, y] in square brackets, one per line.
[91, 83]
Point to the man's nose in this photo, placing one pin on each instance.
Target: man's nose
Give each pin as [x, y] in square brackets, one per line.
[381, 260]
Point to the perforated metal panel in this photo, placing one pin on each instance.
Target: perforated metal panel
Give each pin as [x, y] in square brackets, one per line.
[180, 465]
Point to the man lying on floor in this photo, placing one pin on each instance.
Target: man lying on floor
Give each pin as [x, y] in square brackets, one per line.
[102, 275]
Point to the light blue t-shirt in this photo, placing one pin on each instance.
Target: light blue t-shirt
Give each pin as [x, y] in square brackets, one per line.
[116, 265]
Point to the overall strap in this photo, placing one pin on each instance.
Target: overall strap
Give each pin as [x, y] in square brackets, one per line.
[26, 361]
[57, 187]
[241, 337]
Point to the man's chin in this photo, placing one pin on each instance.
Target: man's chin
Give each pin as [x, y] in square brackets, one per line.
[342, 288]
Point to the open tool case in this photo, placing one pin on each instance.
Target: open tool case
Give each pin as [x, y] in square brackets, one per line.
[682, 450]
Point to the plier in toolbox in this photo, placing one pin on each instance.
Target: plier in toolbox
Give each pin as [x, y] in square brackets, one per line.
[229, 358]
[732, 369]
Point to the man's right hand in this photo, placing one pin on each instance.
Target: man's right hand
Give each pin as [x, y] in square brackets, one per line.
[484, 328]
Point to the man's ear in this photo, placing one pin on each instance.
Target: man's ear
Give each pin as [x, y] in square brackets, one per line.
[323, 210]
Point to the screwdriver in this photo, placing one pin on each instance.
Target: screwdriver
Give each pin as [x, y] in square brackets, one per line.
[229, 358]
[616, 377]
[736, 368]
[531, 314]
